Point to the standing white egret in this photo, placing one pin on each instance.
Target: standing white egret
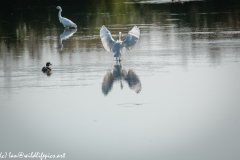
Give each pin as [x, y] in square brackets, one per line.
[119, 46]
[66, 22]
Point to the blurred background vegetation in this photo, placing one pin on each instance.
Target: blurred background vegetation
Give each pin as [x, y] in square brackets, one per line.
[28, 20]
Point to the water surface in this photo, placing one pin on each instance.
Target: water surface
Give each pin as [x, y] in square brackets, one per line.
[180, 99]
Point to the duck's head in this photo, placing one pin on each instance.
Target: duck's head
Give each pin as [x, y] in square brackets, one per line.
[48, 64]
[58, 7]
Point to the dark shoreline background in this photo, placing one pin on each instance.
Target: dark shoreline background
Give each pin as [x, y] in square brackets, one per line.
[37, 16]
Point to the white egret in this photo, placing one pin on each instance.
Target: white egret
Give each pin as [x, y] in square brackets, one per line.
[119, 74]
[67, 23]
[67, 33]
[119, 46]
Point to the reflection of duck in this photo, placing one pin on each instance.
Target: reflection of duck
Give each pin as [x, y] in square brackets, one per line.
[119, 46]
[67, 33]
[47, 69]
[119, 74]
[66, 22]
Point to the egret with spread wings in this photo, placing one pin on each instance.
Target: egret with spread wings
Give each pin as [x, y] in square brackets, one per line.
[119, 46]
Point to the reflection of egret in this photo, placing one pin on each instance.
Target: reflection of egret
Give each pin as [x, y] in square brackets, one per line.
[119, 46]
[176, 1]
[67, 33]
[119, 74]
[66, 22]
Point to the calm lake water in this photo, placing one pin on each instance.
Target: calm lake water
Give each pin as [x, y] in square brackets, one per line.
[179, 100]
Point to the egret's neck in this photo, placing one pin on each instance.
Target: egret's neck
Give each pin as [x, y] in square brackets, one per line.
[59, 15]
[120, 35]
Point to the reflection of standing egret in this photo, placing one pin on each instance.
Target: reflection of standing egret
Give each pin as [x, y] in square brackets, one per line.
[119, 46]
[67, 23]
[119, 74]
[67, 33]
[177, 1]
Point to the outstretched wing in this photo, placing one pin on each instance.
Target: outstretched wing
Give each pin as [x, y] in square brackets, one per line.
[106, 38]
[132, 38]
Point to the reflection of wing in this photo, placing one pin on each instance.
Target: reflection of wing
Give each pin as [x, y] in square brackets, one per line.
[106, 38]
[107, 83]
[132, 38]
[67, 33]
[133, 81]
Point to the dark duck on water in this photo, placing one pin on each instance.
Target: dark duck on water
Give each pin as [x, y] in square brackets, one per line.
[47, 68]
